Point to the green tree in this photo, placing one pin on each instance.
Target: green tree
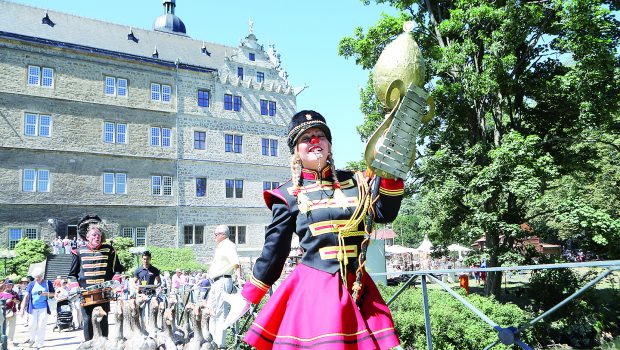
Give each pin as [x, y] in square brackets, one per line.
[526, 93]
[28, 251]
[122, 245]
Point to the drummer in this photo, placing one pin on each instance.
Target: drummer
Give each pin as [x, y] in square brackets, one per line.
[94, 263]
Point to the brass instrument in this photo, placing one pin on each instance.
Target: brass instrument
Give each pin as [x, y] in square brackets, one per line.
[398, 78]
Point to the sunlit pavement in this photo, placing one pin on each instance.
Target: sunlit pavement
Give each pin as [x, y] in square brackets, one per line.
[66, 340]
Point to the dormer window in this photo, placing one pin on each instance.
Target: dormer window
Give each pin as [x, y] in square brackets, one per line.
[252, 57]
[240, 73]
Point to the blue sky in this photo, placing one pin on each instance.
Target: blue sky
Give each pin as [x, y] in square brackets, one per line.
[306, 34]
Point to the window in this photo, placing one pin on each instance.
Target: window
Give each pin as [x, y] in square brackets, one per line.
[272, 108]
[251, 56]
[114, 183]
[240, 73]
[237, 234]
[37, 124]
[160, 93]
[161, 185]
[155, 92]
[233, 143]
[234, 188]
[15, 234]
[114, 133]
[267, 108]
[260, 77]
[36, 180]
[203, 98]
[40, 76]
[199, 139]
[201, 187]
[270, 147]
[137, 234]
[193, 234]
[270, 185]
[160, 136]
[228, 102]
[237, 105]
[115, 86]
[263, 107]
[166, 91]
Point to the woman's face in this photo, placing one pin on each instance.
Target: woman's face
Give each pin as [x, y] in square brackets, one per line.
[313, 149]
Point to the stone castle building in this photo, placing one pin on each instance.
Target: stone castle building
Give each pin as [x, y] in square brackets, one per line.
[162, 135]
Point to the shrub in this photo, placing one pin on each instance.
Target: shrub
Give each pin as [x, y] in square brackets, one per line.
[27, 251]
[170, 259]
[122, 245]
[582, 321]
[453, 326]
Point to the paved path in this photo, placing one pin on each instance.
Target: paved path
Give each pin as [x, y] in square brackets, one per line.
[54, 340]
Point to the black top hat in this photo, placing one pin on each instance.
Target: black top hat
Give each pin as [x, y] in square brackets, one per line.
[86, 221]
[303, 121]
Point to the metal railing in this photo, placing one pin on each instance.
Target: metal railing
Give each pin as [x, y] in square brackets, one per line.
[506, 335]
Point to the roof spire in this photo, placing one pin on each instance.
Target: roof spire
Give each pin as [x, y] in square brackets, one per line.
[169, 6]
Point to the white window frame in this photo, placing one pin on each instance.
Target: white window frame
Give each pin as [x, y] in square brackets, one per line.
[234, 234]
[28, 232]
[115, 132]
[137, 234]
[159, 134]
[117, 85]
[38, 125]
[40, 76]
[194, 240]
[119, 183]
[161, 185]
[38, 180]
[161, 93]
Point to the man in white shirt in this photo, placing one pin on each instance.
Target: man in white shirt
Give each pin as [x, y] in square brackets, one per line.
[225, 263]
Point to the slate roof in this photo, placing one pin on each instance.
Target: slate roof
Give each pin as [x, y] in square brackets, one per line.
[65, 30]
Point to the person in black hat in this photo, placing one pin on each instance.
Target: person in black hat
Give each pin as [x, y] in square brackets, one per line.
[94, 263]
[325, 208]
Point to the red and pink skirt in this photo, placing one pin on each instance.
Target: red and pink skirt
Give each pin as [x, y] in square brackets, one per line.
[312, 309]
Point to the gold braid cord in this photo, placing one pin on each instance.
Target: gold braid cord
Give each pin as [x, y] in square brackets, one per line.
[358, 216]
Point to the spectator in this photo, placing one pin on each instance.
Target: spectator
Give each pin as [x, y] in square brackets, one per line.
[58, 282]
[12, 298]
[74, 288]
[36, 301]
[66, 244]
[176, 280]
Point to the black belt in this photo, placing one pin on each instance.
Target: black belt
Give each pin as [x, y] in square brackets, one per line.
[222, 276]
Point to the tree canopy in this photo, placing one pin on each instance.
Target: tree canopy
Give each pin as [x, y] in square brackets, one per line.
[526, 132]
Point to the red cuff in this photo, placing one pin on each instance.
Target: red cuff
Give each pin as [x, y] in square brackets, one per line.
[392, 184]
[254, 290]
[392, 187]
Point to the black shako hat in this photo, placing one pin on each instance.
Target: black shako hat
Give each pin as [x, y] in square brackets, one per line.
[303, 121]
[87, 221]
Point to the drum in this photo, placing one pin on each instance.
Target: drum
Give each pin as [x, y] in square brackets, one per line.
[96, 296]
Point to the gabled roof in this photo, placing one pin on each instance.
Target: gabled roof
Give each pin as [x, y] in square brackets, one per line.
[64, 30]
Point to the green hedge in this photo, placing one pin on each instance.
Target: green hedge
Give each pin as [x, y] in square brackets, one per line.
[170, 259]
[453, 326]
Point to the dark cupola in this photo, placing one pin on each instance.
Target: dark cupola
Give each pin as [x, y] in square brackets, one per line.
[169, 22]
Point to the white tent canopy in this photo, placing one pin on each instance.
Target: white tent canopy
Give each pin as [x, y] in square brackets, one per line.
[458, 248]
[399, 249]
[426, 246]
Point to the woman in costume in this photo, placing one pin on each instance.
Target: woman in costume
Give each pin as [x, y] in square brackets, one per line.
[314, 307]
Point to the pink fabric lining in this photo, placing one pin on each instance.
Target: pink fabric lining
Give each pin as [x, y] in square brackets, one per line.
[313, 310]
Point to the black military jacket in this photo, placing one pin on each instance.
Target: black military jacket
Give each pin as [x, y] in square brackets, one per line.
[316, 223]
